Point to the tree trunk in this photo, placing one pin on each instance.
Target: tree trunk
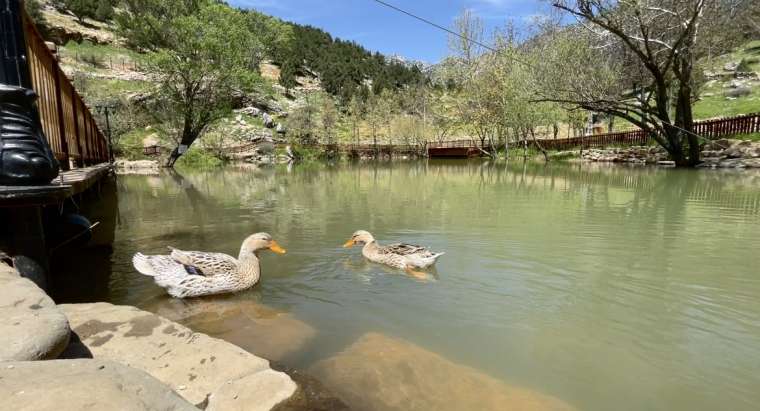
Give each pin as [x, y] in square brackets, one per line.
[685, 121]
[538, 145]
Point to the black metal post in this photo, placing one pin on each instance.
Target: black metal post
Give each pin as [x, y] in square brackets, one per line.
[106, 110]
[108, 133]
[26, 159]
[25, 155]
[14, 69]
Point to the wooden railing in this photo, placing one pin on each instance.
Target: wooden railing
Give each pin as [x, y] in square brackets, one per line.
[454, 144]
[152, 150]
[709, 129]
[628, 138]
[66, 120]
[744, 124]
[382, 148]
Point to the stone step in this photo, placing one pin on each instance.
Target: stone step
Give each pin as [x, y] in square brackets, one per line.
[73, 385]
[203, 370]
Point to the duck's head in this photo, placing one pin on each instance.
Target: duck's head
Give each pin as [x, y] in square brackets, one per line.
[260, 241]
[360, 237]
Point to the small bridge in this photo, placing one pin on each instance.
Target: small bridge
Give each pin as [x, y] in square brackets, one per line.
[454, 149]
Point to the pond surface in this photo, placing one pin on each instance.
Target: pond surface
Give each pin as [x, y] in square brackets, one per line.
[562, 287]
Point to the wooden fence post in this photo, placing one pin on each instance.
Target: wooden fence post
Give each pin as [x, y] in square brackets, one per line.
[61, 121]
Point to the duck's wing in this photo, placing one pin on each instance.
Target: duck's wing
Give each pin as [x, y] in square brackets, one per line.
[404, 249]
[206, 264]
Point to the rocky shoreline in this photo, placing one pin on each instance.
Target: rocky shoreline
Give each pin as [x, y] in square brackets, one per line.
[723, 153]
[52, 356]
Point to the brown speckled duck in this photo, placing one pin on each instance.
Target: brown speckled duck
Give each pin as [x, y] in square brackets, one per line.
[196, 273]
[403, 256]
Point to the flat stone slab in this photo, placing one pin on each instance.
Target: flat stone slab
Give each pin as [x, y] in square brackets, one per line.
[75, 385]
[379, 373]
[32, 326]
[259, 329]
[201, 369]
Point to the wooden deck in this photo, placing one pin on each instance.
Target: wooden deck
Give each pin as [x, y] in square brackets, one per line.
[69, 183]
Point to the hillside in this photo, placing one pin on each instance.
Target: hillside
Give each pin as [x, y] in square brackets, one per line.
[733, 83]
[299, 65]
[309, 84]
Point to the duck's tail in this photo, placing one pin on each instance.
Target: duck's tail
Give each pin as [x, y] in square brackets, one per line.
[434, 257]
[142, 264]
[425, 262]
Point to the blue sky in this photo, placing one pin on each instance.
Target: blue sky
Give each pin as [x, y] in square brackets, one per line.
[381, 29]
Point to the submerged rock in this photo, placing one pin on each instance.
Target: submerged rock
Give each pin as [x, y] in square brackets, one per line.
[32, 326]
[201, 369]
[380, 373]
[75, 385]
[258, 329]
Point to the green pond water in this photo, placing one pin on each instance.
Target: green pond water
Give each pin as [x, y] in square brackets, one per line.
[604, 288]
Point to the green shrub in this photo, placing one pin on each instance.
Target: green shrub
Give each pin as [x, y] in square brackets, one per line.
[34, 10]
[747, 63]
[81, 8]
[197, 158]
[104, 12]
[93, 60]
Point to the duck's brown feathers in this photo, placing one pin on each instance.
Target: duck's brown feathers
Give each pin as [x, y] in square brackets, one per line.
[209, 264]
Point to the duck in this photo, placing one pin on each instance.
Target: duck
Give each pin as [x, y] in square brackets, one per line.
[196, 273]
[407, 257]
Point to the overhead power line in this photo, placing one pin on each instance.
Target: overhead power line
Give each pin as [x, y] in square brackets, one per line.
[452, 32]
[438, 26]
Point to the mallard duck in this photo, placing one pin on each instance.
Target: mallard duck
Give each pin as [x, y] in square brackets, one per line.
[196, 273]
[403, 256]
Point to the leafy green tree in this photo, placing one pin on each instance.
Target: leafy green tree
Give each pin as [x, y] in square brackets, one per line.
[644, 63]
[34, 10]
[148, 24]
[303, 120]
[288, 73]
[329, 117]
[356, 113]
[104, 11]
[81, 8]
[202, 64]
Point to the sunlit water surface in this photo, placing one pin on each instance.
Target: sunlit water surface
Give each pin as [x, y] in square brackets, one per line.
[605, 288]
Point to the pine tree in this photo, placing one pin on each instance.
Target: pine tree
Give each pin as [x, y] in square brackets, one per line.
[81, 8]
[288, 73]
[104, 12]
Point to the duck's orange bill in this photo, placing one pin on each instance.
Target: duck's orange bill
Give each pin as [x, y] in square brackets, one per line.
[350, 243]
[276, 248]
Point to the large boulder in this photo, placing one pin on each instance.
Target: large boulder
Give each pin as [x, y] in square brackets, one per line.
[201, 369]
[32, 326]
[743, 149]
[64, 385]
[379, 373]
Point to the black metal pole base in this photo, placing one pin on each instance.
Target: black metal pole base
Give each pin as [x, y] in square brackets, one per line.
[25, 156]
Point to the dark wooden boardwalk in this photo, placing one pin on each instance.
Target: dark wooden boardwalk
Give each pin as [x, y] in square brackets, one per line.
[68, 184]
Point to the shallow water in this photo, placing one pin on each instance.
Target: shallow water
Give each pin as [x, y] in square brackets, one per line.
[601, 287]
